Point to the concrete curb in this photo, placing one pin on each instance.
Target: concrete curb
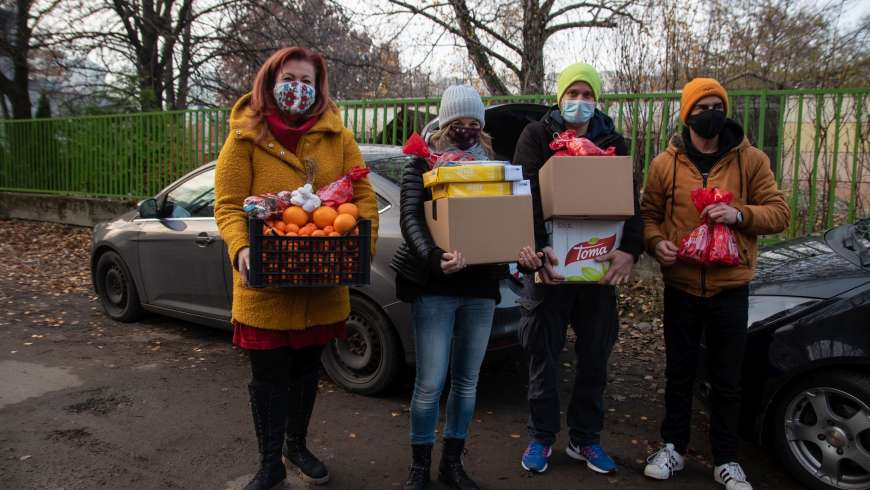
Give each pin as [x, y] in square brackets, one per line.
[80, 211]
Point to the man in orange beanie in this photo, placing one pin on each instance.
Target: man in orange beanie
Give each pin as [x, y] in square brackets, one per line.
[712, 300]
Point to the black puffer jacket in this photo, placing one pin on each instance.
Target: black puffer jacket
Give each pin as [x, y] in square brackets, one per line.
[417, 262]
[533, 151]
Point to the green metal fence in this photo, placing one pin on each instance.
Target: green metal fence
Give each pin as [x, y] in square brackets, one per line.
[818, 142]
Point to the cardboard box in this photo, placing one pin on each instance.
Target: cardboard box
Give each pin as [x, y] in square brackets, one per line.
[577, 242]
[481, 189]
[593, 187]
[487, 230]
[495, 172]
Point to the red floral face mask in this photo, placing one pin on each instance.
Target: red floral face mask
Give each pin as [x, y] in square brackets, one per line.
[294, 97]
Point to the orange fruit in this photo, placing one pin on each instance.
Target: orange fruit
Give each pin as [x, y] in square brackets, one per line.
[279, 226]
[305, 231]
[334, 233]
[344, 223]
[291, 228]
[267, 231]
[318, 233]
[310, 227]
[349, 208]
[291, 233]
[295, 215]
[328, 229]
[324, 216]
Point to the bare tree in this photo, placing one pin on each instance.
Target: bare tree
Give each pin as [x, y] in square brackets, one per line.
[19, 20]
[512, 34]
[360, 67]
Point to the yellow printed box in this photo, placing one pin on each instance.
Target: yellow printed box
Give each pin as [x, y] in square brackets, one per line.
[472, 173]
[481, 189]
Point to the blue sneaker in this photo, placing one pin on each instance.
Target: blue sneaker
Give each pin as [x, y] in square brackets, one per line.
[596, 459]
[536, 457]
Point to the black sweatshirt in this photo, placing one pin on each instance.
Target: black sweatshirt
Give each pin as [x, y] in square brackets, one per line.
[533, 150]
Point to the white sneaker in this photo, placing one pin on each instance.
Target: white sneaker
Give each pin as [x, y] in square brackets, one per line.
[664, 463]
[732, 476]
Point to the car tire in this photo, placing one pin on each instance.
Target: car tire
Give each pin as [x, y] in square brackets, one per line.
[367, 362]
[823, 422]
[116, 289]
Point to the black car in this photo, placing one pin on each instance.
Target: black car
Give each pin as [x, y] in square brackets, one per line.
[806, 374]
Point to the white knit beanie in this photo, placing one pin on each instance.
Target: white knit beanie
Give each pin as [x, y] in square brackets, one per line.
[460, 101]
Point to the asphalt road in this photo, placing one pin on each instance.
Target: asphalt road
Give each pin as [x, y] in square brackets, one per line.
[90, 403]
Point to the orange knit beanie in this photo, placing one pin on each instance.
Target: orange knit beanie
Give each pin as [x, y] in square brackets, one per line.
[696, 90]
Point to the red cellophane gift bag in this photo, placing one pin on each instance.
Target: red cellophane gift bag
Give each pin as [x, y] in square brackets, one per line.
[569, 145]
[710, 244]
[341, 191]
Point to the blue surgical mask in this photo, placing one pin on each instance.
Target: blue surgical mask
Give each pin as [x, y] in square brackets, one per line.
[577, 111]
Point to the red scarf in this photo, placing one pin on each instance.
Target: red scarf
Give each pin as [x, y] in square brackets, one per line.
[288, 135]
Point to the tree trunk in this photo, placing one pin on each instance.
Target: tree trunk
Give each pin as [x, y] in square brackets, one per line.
[532, 68]
[484, 68]
[19, 94]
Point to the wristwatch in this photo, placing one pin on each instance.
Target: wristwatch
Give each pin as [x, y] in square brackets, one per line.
[739, 217]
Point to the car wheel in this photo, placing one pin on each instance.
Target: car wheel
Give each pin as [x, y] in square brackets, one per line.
[822, 431]
[116, 288]
[367, 361]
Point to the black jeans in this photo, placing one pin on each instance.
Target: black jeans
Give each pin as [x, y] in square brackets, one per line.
[547, 311]
[722, 320]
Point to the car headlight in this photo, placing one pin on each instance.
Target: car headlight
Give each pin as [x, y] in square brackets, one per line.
[763, 307]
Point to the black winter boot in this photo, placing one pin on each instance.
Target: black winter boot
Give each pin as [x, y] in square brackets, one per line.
[450, 471]
[269, 407]
[418, 476]
[302, 393]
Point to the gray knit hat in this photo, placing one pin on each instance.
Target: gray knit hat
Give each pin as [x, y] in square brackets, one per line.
[460, 101]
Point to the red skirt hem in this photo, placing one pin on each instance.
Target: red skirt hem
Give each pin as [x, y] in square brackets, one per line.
[254, 338]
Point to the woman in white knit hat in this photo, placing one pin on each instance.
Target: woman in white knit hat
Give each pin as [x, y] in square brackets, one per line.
[453, 305]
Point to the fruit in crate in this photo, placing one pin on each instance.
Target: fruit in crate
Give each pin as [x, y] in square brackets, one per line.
[324, 216]
[295, 215]
[344, 223]
[349, 208]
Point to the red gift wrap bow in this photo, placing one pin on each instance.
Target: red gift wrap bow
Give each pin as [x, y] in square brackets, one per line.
[567, 144]
[710, 244]
[416, 146]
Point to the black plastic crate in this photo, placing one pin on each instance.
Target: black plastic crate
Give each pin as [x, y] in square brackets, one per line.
[307, 262]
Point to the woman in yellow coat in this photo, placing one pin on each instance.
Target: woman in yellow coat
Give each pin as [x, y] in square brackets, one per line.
[288, 119]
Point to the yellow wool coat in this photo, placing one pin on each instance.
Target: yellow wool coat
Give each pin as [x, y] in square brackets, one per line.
[246, 167]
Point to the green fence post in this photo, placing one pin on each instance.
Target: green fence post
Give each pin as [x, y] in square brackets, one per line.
[762, 115]
[795, 177]
[746, 113]
[648, 137]
[832, 189]
[856, 145]
[817, 149]
[783, 100]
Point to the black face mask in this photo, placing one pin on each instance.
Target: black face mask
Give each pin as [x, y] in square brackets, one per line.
[464, 137]
[707, 124]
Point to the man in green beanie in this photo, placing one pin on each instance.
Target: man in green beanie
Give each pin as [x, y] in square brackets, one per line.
[548, 308]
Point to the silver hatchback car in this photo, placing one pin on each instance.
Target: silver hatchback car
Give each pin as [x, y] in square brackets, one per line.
[167, 257]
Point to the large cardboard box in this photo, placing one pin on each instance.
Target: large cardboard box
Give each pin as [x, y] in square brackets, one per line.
[487, 230]
[490, 172]
[593, 187]
[481, 189]
[577, 242]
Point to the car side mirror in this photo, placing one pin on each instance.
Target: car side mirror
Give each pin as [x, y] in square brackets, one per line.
[148, 208]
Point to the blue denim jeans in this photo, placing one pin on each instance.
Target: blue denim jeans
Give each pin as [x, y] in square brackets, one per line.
[449, 331]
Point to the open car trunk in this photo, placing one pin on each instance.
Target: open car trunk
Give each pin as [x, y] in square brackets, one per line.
[504, 123]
